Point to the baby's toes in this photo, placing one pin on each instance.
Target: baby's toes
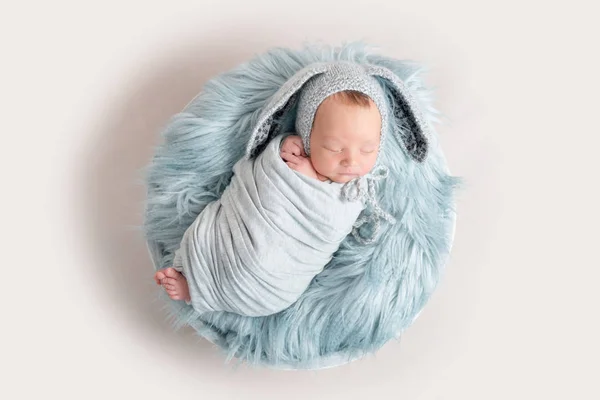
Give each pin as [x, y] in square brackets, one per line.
[170, 289]
[169, 281]
[172, 273]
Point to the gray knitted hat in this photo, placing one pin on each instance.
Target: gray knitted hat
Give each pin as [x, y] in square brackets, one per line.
[312, 84]
[340, 77]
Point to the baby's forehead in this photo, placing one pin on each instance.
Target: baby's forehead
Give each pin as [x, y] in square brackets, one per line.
[336, 113]
[337, 101]
[343, 139]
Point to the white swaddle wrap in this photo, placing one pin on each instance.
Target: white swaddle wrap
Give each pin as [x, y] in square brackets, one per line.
[255, 250]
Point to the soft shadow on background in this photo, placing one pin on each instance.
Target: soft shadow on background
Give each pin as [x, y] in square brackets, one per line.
[113, 194]
[114, 190]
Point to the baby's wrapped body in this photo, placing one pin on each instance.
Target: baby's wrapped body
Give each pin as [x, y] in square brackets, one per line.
[255, 250]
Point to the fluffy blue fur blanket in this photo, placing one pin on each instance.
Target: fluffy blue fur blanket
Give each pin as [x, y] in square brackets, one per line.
[368, 294]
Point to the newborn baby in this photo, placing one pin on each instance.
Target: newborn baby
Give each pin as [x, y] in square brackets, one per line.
[344, 143]
[284, 214]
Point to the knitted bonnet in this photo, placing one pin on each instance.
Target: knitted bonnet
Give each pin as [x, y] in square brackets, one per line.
[340, 77]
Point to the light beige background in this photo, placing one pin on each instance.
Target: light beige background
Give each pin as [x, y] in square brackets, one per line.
[85, 88]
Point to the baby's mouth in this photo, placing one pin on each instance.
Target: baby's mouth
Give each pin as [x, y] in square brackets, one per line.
[346, 177]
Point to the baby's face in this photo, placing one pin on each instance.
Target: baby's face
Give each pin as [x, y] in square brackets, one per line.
[345, 139]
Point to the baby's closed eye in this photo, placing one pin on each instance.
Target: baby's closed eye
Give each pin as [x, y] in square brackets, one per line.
[334, 149]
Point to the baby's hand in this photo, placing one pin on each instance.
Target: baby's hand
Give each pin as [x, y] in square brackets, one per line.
[300, 164]
[292, 152]
[293, 145]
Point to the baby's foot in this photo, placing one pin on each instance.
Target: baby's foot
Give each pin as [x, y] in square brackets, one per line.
[174, 283]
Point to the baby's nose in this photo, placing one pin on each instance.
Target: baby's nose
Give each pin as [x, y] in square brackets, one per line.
[349, 162]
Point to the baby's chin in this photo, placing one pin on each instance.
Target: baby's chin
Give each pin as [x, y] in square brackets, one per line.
[343, 178]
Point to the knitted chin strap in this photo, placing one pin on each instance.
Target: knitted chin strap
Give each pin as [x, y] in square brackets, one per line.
[363, 188]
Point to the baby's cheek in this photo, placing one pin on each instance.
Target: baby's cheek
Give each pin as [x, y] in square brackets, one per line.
[331, 164]
[321, 165]
[368, 166]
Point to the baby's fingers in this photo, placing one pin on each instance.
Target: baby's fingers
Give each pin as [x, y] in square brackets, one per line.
[291, 158]
[302, 152]
[286, 155]
[298, 150]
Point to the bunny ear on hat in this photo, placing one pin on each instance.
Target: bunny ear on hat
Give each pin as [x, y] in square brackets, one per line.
[268, 125]
[408, 122]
